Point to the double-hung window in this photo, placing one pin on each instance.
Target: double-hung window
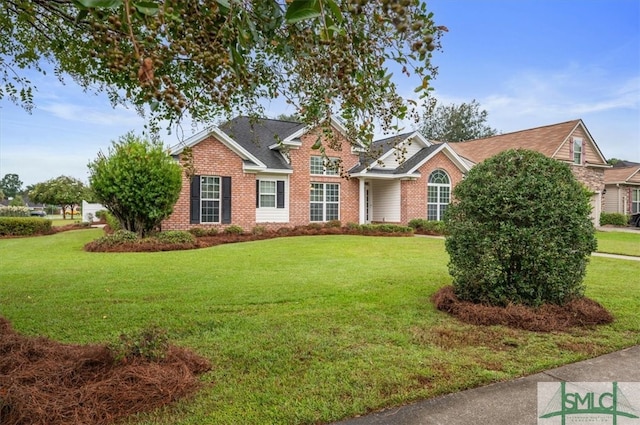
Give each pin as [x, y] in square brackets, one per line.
[325, 202]
[209, 199]
[270, 193]
[267, 194]
[578, 146]
[635, 201]
[318, 168]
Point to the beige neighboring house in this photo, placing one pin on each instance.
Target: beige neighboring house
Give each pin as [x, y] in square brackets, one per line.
[622, 190]
[568, 142]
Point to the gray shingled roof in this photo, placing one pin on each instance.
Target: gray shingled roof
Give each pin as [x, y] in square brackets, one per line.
[256, 135]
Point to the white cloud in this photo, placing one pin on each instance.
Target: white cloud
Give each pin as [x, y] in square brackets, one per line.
[119, 115]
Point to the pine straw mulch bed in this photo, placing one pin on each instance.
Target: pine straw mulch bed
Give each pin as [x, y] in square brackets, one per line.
[151, 245]
[546, 318]
[44, 382]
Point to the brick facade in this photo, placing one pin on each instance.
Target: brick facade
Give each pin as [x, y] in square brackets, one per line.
[414, 192]
[213, 158]
[301, 179]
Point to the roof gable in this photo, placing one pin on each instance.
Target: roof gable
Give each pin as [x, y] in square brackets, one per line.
[415, 162]
[249, 138]
[547, 140]
[622, 175]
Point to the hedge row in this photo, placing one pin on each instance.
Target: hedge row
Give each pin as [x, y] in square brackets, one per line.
[24, 226]
[615, 219]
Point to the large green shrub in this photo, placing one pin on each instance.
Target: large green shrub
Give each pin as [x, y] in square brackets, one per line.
[138, 182]
[519, 231]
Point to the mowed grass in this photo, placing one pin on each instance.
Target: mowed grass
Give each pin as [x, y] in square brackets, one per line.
[625, 243]
[300, 330]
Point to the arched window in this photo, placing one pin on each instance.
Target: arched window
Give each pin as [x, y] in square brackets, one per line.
[438, 195]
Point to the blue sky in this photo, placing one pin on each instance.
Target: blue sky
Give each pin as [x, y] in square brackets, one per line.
[527, 62]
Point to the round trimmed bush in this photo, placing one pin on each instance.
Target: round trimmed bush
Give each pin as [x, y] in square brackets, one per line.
[519, 232]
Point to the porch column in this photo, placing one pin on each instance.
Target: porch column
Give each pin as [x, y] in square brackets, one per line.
[362, 201]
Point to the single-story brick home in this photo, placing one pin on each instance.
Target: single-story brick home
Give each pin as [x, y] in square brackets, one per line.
[622, 188]
[265, 172]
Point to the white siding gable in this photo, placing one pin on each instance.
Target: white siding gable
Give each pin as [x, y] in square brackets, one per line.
[401, 153]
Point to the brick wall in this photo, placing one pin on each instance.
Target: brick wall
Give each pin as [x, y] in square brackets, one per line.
[414, 192]
[213, 158]
[301, 179]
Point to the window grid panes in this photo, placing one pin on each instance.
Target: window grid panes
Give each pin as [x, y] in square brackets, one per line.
[635, 201]
[577, 151]
[317, 166]
[267, 194]
[333, 169]
[438, 195]
[325, 202]
[209, 199]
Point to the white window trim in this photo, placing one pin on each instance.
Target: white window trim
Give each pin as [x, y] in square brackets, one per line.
[218, 199]
[580, 142]
[438, 187]
[325, 171]
[324, 202]
[636, 202]
[274, 194]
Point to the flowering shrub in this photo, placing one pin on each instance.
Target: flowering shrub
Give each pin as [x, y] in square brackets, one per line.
[14, 211]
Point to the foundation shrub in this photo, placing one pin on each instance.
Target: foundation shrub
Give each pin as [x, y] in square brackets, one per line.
[615, 219]
[116, 238]
[333, 224]
[259, 230]
[429, 227]
[234, 229]
[175, 236]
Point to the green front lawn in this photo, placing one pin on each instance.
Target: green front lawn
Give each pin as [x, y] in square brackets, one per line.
[300, 330]
[625, 243]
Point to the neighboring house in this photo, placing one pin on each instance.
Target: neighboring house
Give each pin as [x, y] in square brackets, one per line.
[622, 189]
[266, 173]
[569, 142]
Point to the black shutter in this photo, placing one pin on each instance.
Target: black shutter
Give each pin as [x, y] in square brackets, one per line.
[257, 193]
[280, 194]
[195, 200]
[226, 200]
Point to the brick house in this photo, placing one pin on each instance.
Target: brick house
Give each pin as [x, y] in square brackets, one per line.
[622, 188]
[266, 173]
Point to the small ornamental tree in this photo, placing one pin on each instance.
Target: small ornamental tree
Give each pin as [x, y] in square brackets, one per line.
[68, 192]
[138, 182]
[519, 232]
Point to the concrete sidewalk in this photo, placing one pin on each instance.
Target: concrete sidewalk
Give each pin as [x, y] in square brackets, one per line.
[513, 402]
